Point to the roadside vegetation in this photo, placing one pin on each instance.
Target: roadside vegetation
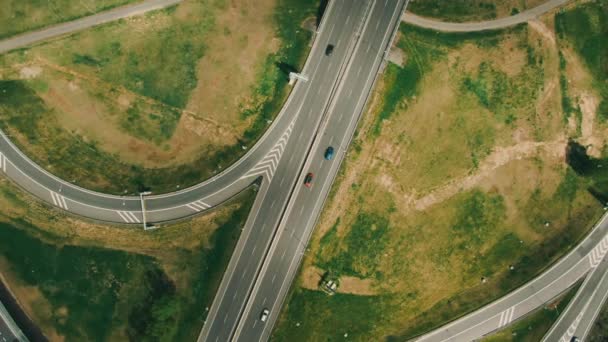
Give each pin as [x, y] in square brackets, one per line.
[533, 327]
[176, 94]
[83, 281]
[19, 16]
[460, 186]
[470, 10]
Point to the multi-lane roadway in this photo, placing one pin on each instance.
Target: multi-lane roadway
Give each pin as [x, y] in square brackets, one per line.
[320, 112]
[258, 277]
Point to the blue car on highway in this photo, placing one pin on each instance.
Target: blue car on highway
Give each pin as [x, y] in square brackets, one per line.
[329, 153]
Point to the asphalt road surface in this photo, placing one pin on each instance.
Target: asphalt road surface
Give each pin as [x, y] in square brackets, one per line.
[29, 38]
[580, 314]
[9, 332]
[547, 286]
[350, 70]
[483, 25]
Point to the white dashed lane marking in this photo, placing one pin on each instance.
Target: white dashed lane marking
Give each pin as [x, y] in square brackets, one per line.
[59, 200]
[128, 216]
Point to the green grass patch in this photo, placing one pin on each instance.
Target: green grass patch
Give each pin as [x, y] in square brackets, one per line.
[592, 169]
[454, 10]
[477, 216]
[585, 29]
[96, 293]
[360, 250]
[530, 261]
[307, 312]
[18, 16]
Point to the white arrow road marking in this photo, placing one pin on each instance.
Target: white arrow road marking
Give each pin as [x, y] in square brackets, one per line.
[572, 328]
[59, 200]
[198, 205]
[2, 162]
[598, 253]
[128, 216]
[506, 317]
[267, 166]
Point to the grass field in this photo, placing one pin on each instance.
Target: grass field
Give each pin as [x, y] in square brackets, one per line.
[467, 10]
[18, 16]
[176, 100]
[532, 328]
[456, 190]
[83, 281]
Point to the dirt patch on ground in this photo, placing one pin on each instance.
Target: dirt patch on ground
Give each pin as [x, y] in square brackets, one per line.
[357, 286]
[237, 49]
[30, 72]
[545, 32]
[500, 157]
[311, 277]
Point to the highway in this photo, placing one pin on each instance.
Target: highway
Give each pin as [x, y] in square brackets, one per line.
[350, 69]
[580, 314]
[9, 331]
[320, 112]
[542, 289]
[260, 160]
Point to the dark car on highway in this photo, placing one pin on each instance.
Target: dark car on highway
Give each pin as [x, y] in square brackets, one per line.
[329, 50]
[329, 153]
[308, 179]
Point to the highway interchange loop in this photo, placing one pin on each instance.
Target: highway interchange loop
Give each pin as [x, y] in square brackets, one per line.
[322, 111]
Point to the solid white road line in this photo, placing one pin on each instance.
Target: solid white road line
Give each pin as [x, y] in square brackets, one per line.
[2, 162]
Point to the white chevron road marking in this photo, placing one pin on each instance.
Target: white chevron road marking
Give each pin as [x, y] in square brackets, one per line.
[198, 205]
[59, 200]
[267, 166]
[128, 216]
[598, 253]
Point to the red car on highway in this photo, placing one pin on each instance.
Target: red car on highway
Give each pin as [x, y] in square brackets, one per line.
[308, 179]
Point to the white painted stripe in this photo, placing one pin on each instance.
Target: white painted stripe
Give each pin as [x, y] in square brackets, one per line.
[54, 199]
[65, 205]
[193, 207]
[2, 162]
[132, 216]
[126, 219]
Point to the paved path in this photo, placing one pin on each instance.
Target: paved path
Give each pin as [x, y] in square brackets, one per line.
[29, 38]
[482, 25]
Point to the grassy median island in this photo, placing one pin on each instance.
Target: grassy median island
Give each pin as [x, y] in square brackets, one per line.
[84, 281]
[470, 10]
[162, 100]
[19, 16]
[457, 189]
